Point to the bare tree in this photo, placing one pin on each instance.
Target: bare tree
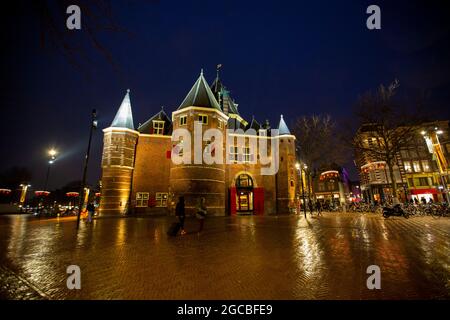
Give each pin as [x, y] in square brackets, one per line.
[98, 20]
[318, 143]
[384, 128]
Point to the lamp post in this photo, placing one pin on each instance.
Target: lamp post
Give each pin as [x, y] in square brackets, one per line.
[86, 161]
[52, 157]
[52, 154]
[299, 169]
[23, 194]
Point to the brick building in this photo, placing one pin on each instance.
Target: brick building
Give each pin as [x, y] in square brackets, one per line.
[139, 174]
[421, 170]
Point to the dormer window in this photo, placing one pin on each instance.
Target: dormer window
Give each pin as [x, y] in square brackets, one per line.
[183, 120]
[203, 118]
[158, 127]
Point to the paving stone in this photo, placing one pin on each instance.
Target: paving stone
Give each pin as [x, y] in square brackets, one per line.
[256, 257]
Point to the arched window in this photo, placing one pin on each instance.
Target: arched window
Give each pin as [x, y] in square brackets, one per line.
[244, 181]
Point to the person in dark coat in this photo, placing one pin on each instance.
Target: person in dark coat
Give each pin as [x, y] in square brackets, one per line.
[311, 207]
[319, 208]
[91, 210]
[180, 213]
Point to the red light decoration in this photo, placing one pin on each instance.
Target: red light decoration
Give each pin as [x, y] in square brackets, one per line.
[5, 191]
[97, 194]
[329, 175]
[378, 165]
[42, 193]
[72, 194]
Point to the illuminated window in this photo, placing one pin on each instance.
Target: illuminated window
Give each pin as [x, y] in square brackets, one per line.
[183, 120]
[158, 127]
[426, 166]
[142, 199]
[161, 199]
[416, 166]
[233, 153]
[220, 124]
[203, 118]
[244, 181]
[407, 165]
[404, 154]
[421, 182]
[248, 156]
[413, 153]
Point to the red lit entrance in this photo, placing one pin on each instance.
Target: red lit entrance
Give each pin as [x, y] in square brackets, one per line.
[245, 198]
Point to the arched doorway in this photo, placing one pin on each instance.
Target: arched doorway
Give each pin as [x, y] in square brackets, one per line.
[244, 194]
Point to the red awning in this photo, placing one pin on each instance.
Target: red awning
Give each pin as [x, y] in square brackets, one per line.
[423, 191]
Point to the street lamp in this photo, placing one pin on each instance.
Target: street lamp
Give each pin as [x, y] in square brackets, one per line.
[93, 126]
[52, 157]
[23, 193]
[434, 147]
[299, 170]
[52, 154]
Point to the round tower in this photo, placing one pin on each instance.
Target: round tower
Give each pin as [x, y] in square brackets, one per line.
[198, 113]
[286, 176]
[119, 145]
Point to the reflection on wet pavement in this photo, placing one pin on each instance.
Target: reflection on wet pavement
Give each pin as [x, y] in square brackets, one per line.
[235, 258]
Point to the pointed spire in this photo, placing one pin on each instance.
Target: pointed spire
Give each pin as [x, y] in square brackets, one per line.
[283, 128]
[124, 116]
[200, 95]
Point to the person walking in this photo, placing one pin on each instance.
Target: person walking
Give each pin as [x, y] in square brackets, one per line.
[311, 207]
[180, 213]
[201, 213]
[319, 208]
[90, 209]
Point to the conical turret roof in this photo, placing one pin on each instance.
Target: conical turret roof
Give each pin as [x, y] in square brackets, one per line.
[200, 96]
[283, 128]
[124, 116]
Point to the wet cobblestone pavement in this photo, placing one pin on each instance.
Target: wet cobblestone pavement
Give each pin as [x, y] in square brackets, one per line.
[234, 258]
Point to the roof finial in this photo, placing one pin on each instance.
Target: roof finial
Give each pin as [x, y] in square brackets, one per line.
[162, 108]
[128, 90]
[201, 71]
[217, 69]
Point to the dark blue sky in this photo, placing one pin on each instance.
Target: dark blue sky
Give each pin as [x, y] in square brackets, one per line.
[293, 58]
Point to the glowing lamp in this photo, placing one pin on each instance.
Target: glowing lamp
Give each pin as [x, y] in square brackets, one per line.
[41, 193]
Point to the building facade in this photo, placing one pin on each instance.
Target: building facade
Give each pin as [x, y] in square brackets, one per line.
[421, 170]
[142, 172]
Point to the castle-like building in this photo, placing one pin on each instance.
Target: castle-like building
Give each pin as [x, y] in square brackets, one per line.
[139, 175]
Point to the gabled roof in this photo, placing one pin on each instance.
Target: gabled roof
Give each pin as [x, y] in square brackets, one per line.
[254, 125]
[147, 126]
[282, 127]
[124, 116]
[200, 96]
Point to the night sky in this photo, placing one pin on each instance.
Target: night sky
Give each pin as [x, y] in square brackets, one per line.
[294, 58]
